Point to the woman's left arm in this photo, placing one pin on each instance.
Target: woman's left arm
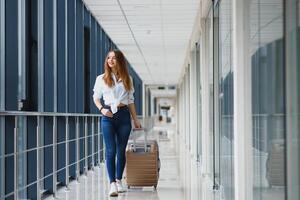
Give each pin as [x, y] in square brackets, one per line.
[132, 111]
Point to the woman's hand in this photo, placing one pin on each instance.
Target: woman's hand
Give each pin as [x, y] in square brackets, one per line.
[106, 112]
[136, 123]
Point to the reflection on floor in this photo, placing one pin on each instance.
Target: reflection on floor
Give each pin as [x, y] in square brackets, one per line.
[180, 177]
[95, 186]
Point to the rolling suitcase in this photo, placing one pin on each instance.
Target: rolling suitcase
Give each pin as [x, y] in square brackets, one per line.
[142, 161]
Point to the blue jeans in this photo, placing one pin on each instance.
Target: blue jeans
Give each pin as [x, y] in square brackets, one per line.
[116, 131]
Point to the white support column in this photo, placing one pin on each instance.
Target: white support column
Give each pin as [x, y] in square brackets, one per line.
[67, 153]
[66, 57]
[16, 160]
[38, 156]
[193, 104]
[54, 157]
[21, 51]
[41, 95]
[55, 84]
[152, 105]
[145, 93]
[99, 145]
[41, 56]
[93, 142]
[85, 146]
[22, 94]
[77, 149]
[55, 119]
[144, 100]
[243, 166]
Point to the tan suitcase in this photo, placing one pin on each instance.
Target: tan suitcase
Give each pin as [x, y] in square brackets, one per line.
[142, 162]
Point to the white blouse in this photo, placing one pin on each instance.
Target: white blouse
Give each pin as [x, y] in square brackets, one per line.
[114, 95]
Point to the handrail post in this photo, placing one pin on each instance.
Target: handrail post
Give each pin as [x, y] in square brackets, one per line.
[16, 161]
[102, 144]
[2, 155]
[77, 149]
[54, 156]
[99, 149]
[93, 143]
[67, 153]
[85, 146]
[38, 176]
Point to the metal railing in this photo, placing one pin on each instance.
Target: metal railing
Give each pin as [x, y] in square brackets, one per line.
[88, 123]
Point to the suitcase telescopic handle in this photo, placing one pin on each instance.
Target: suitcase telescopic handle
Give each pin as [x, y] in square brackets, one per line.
[135, 135]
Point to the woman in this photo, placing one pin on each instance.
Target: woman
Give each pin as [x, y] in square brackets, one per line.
[116, 87]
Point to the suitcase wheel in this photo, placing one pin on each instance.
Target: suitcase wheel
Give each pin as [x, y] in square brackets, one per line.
[128, 187]
[155, 186]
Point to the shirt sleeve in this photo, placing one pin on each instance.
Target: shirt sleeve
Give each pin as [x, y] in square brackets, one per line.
[130, 95]
[97, 89]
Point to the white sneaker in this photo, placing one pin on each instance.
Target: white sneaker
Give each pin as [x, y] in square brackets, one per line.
[113, 192]
[120, 187]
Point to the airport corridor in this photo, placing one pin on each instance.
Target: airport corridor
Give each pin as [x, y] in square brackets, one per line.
[95, 186]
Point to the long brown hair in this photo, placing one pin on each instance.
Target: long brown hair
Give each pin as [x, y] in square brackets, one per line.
[121, 69]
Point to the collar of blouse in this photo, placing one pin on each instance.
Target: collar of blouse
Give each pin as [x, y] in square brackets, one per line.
[115, 78]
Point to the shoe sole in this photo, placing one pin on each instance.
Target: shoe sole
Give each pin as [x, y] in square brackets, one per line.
[121, 191]
[114, 194]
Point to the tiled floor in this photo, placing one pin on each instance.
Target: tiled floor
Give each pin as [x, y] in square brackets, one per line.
[180, 177]
[94, 185]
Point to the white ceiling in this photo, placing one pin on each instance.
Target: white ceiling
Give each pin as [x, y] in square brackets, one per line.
[153, 34]
[163, 93]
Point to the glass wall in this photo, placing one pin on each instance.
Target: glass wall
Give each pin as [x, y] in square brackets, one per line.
[268, 108]
[293, 97]
[199, 104]
[52, 78]
[224, 95]
[209, 64]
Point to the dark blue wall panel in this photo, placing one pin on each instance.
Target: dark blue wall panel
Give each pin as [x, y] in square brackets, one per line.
[48, 56]
[93, 60]
[71, 57]
[48, 90]
[48, 153]
[79, 58]
[61, 57]
[31, 156]
[32, 98]
[32, 57]
[100, 51]
[72, 147]
[11, 55]
[11, 85]
[87, 67]
[61, 149]
[9, 148]
[87, 17]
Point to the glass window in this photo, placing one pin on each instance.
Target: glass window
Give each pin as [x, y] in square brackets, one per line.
[199, 103]
[209, 63]
[223, 46]
[266, 29]
[293, 96]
